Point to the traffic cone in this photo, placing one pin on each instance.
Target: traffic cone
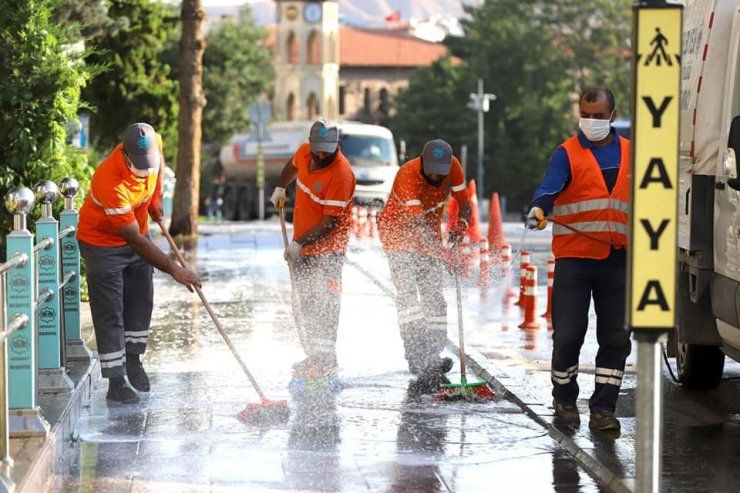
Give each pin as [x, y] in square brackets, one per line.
[524, 259]
[530, 299]
[550, 280]
[373, 231]
[509, 291]
[495, 226]
[474, 225]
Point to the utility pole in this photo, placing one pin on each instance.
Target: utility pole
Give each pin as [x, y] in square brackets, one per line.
[480, 102]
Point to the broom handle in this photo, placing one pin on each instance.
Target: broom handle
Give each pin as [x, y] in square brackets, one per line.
[221, 330]
[460, 333]
[297, 313]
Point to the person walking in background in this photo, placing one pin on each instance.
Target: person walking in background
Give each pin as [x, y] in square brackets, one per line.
[325, 188]
[215, 202]
[587, 188]
[113, 236]
[409, 227]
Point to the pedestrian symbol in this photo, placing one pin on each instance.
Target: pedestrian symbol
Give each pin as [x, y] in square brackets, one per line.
[659, 52]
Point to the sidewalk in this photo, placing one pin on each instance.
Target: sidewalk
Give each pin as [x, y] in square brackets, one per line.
[35, 459]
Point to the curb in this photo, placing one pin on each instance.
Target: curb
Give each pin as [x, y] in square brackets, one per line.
[612, 481]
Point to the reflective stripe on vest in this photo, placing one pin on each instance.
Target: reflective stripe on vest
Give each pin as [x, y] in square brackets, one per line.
[586, 205]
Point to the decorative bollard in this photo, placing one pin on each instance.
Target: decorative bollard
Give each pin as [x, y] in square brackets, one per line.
[524, 259]
[509, 292]
[25, 419]
[75, 349]
[530, 299]
[550, 281]
[485, 265]
[52, 376]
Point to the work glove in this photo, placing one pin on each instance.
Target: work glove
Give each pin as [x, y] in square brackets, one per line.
[278, 197]
[292, 252]
[457, 232]
[536, 219]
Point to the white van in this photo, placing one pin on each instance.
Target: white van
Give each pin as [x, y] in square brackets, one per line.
[709, 193]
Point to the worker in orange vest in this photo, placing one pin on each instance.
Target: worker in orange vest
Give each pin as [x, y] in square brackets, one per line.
[587, 189]
[409, 227]
[325, 188]
[113, 235]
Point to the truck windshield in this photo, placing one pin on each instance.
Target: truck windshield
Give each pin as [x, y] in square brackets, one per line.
[367, 150]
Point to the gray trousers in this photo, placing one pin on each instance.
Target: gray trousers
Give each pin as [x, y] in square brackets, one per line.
[421, 307]
[121, 300]
[319, 287]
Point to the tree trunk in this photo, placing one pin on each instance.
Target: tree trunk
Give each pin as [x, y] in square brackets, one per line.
[192, 101]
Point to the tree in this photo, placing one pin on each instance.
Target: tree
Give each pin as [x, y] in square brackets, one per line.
[426, 109]
[41, 76]
[192, 101]
[136, 84]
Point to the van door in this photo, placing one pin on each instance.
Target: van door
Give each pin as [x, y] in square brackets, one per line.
[727, 195]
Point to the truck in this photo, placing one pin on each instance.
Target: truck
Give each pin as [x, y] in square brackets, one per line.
[708, 291]
[370, 149]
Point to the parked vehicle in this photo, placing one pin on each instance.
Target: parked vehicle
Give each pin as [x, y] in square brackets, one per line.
[370, 149]
[709, 193]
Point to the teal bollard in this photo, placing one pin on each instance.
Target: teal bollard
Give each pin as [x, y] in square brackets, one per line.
[52, 377]
[25, 419]
[70, 253]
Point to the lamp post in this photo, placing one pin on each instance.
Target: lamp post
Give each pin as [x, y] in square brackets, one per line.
[480, 102]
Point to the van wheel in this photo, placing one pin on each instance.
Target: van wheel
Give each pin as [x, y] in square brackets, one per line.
[699, 367]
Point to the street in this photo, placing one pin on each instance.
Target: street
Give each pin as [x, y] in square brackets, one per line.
[373, 435]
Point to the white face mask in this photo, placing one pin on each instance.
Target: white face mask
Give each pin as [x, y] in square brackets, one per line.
[594, 130]
[142, 173]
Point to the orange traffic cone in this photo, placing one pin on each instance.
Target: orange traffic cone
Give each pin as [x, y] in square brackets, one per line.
[495, 226]
[524, 259]
[474, 226]
[550, 281]
[509, 291]
[530, 299]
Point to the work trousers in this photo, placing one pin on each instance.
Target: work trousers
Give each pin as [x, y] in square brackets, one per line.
[576, 282]
[319, 287]
[421, 308]
[121, 298]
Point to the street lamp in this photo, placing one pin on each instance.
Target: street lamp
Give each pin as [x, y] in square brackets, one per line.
[480, 102]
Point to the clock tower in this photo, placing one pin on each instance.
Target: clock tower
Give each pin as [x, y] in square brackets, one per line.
[307, 60]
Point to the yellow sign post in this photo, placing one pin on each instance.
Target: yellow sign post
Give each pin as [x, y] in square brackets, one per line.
[651, 271]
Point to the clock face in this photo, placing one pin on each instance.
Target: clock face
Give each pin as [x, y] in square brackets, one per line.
[312, 12]
[291, 12]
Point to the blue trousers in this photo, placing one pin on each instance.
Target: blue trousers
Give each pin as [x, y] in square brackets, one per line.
[576, 282]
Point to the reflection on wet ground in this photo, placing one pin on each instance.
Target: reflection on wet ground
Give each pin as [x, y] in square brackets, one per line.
[374, 435]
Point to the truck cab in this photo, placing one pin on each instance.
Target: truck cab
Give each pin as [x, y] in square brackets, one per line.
[708, 304]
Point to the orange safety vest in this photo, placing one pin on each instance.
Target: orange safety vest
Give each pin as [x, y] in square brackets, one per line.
[586, 205]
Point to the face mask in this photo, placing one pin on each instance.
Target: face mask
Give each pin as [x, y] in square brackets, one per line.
[141, 173]
[594, 130]
[326, 161]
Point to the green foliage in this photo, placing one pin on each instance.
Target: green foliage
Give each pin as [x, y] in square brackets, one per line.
[137, 85]
[85, 18]
[535, 56]
[237, 70]
[41, 78]
[427, 109]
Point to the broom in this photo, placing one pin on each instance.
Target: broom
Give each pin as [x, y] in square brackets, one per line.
[469, 391]
[267, 411]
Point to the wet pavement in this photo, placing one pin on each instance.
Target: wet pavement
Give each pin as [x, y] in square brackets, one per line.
[373, 435]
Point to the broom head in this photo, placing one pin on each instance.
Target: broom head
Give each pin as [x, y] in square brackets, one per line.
[475, 391]
[266, 412]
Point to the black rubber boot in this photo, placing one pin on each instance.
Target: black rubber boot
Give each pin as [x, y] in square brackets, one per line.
[119, 391]
[137, 377]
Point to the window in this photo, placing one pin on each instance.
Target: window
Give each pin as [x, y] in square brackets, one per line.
[290, 108]
[292, 48]
[312, 106]
[313, 48]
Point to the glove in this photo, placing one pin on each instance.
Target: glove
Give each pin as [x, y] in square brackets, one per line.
[292, 252]
[278, 197]
[536, 219]
[458, 231]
